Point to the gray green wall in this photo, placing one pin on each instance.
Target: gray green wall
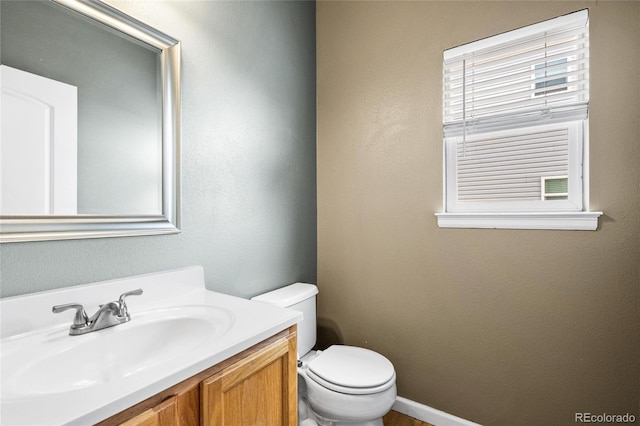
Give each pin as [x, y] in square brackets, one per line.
[248, 147]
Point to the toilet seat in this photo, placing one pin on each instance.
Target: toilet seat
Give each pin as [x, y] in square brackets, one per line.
[351, 370]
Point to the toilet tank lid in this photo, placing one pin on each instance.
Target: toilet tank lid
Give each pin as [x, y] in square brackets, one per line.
[289, 295]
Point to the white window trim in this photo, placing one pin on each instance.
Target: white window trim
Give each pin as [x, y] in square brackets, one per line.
[581, 219]
[577, 139]
[578, 221]
[571, 221]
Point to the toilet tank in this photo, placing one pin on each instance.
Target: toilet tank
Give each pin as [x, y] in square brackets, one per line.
[301, 297]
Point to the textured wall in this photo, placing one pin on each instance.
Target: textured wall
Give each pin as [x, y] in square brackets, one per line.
[248, 145]
[503, 327]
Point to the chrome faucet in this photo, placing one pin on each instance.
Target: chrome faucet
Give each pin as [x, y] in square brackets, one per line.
[110, 314]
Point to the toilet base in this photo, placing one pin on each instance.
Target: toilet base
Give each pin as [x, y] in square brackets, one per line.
[315, 421]
[311, 419]
[307, 417]
[307, 422]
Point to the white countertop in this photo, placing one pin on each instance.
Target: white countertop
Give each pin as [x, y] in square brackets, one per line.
[28, 318]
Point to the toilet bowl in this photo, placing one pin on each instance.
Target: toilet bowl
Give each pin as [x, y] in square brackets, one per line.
[349, 385]
[342, 385]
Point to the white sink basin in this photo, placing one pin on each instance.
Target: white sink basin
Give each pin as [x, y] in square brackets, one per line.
[178, 329]
[59, 363]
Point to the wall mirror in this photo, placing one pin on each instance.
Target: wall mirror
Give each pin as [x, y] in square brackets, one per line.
[90, 143]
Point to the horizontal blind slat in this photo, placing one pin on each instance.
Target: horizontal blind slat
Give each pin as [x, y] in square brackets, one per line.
[571, 20]
[517, 139]
[535, 112]
[521, 91]
[476, 126]
[515, 80]
[515, 63]
[534, 71]
[542, 102]
[522, 44]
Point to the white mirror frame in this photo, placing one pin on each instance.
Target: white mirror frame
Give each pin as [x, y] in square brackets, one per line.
[43, 228]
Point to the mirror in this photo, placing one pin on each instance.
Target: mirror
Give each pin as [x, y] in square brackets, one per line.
[104, 90]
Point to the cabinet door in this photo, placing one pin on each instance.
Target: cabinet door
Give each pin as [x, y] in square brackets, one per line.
[164, 414]
[260, 389]
[178, 410]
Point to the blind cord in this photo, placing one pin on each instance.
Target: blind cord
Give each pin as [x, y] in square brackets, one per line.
[464, 107]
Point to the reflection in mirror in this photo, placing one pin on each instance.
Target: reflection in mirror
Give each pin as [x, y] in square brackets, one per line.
[118, 104]
[90, 123]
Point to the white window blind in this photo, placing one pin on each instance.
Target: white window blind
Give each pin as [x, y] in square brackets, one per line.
[515, 110]
[535, 74]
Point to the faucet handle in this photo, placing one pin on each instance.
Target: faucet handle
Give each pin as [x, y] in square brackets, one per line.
[80, 320]
[123, 311]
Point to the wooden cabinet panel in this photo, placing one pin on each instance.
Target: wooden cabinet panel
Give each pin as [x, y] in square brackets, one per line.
[165, 414]
[188, 405]
[258, 390]
[148, 418]
[179, 410]
[256, 387]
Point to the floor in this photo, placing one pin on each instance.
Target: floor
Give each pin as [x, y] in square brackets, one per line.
[397, 419]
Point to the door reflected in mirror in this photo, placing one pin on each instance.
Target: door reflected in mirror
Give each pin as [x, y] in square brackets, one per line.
[118, 125]
[90, 123]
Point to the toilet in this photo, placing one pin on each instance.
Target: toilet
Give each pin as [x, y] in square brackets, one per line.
[342, 385]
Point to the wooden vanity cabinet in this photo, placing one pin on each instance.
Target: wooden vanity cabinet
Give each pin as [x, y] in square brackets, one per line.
[181, 409]
[257, 390]
[256, 387]
[175, 410]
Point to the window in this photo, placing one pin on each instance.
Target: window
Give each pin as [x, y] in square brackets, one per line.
[555, 188]
[515, 124]
[557, 84]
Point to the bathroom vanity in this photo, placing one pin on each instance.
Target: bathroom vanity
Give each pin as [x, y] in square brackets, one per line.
[257, 386]
[187, 356]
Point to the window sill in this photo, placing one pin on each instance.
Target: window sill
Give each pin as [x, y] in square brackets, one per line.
[582, 221]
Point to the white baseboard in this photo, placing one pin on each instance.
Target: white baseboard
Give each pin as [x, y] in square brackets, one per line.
[428, 414]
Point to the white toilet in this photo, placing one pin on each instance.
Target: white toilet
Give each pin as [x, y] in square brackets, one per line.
[342, 385]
